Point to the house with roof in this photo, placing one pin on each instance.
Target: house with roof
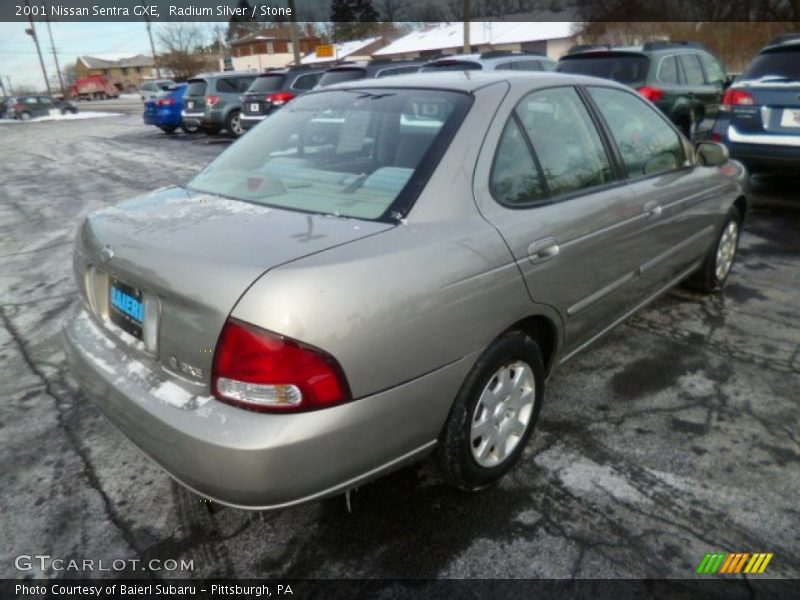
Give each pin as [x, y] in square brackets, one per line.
[126, 73]
[269, 48]
[551, 38]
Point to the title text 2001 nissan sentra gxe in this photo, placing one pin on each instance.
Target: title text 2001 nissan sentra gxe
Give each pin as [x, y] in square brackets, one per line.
[385, 269]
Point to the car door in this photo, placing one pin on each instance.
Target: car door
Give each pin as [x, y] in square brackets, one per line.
[547, 181]
[45, 104]
[679, 197]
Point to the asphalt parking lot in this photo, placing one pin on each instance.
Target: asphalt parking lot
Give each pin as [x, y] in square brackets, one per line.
[677, 435]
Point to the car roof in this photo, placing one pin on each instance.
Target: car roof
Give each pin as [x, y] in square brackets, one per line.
[471, 81]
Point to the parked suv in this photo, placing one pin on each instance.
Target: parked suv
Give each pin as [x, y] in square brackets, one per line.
[683, 79]
[759, 119]
[271, 90]
[491, 61]
[213, 101]
[368, 70]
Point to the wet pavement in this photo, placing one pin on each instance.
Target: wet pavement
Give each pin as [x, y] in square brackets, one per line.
[675, 436]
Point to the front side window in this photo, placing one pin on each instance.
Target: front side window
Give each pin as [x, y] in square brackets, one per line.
[515, 179]
[714, 71]
[668, 70]
[648, 145]
[692, 69]
[351, 153]
[565, 140]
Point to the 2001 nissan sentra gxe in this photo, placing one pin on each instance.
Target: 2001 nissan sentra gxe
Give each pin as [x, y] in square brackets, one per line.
[385, 269]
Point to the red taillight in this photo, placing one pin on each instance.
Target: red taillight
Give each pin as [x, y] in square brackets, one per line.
[715, 137]
[651, 93]
[165, 101]
[212, 100]
[279, 98]
[263, 371]
[734, 97]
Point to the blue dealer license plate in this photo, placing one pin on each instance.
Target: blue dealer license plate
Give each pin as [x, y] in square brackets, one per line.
[126, 307]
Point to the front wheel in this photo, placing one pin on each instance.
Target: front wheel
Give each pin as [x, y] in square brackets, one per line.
[234, 124]
[716, 267]
[494, 413]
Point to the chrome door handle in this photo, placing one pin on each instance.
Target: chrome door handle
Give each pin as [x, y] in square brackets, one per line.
[543, 250]
[652, 209]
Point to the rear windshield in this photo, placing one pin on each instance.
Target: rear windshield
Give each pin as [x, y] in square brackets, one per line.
[267, 83]
[196, 88]
[628, 69]
[390, 71]
[352, 153]
[451, 65]
[340, 75]
[784, 64]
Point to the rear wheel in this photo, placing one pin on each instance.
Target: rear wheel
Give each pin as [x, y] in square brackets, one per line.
[716, 267]
[25, 116]
[234, 124]
[167, 128]
[494, 413]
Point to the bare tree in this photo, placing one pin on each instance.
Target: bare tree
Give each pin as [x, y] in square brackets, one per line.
[184, 49]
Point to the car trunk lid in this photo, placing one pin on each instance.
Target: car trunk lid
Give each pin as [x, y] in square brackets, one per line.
[775, 108]
[188, 257]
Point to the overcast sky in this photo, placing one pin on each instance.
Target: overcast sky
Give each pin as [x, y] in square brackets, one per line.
[18, 58]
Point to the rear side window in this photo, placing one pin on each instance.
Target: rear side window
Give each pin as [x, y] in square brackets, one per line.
[341, 75]
[515, 179]
[196, 88]
[668, 70]
[630, 69]
[715, 74]
[267, 83]
[565, 140]
[527, 65]
[784, 64]
[452, 65]
[306, 81]
[648, 145]
[692, 69]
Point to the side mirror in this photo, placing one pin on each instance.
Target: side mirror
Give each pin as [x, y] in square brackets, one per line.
[711, 154]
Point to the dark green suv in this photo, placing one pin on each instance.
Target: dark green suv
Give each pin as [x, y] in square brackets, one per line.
[683, 79]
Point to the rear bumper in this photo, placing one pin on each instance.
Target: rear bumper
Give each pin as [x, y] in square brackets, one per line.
[253, 460]
[250, 121]
[762, 151]
[193, 119]
[163, 117]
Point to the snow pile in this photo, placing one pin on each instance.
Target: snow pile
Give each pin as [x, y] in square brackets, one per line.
[67, 117]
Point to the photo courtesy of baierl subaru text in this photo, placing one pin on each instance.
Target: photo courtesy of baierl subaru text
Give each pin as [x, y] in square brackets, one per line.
[400, 299]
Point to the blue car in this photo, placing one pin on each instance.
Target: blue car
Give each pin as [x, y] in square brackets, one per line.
[164, 110]
[759, 119]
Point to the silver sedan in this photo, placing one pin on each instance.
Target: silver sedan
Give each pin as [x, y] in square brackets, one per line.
[387, 269]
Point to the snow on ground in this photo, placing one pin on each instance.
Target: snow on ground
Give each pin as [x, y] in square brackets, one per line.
[67, 117]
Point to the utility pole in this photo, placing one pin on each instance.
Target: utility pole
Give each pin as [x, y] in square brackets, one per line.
[467, 11]
[55, 56]
[295, 40]
[31, 31]
[152, 45]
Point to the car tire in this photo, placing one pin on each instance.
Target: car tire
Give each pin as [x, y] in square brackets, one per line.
[25, 116]
[167, 128]
[494, 413]
[234, 124]
[713, 273]
[190, 128]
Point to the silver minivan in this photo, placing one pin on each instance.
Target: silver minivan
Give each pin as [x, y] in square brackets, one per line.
[390, 270]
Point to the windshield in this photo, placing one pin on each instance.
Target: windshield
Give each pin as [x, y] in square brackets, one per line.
[340, 75]
[267, 83]
[350, 153]
[783, 64]
[629, 69]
